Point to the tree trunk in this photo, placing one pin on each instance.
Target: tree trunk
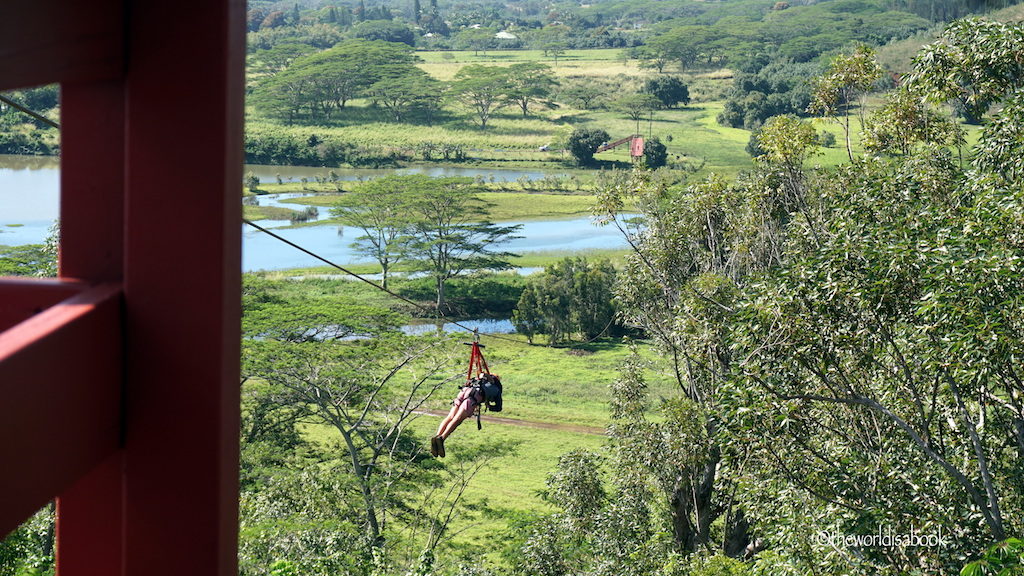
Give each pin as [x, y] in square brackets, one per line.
[846, 128]
[693, 510]
[369, 506]
[737, 535]
[440, 293]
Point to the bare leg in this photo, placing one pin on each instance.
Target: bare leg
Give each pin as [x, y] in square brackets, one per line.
[451, 423]
[447, 420]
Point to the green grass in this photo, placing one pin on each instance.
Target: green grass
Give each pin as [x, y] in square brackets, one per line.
[525, 260]
[511, 483]
[541, 384]
[595, 63]
[539, 259]
[267, 213]
[505, 206]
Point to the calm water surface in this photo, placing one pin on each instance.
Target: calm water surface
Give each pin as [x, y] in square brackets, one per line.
[30, 203]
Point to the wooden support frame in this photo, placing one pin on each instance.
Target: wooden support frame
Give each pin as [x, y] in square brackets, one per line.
[121, 378]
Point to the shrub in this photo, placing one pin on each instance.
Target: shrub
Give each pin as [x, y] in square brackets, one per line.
[584, 142]
[655, 153]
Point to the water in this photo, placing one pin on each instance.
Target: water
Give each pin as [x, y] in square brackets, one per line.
[484, 325]
[30, 203]
[29, 198]
[269, 173]
[263, 252]
[278, 201]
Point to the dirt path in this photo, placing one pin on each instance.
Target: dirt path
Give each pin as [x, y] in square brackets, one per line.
[595, 430]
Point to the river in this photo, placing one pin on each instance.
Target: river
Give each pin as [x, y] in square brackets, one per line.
[30, 199]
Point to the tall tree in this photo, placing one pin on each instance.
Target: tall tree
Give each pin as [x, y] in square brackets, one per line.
[847, 80]
[572, 296]
[669, 90]
[637, 106]
[380, 209]
[399, 95]
[318, 85]
[356, 392]
[529, 82]
[480, 88]
[450, 233]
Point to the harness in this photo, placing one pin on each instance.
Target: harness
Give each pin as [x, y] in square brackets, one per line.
[477, 376]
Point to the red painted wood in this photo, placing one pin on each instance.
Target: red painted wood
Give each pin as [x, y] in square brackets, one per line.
[156, 477]
[90, 525]
[182, 286]
[21, 298]
[60, 41]
[60, 380]
[92, 181]
[90, 522]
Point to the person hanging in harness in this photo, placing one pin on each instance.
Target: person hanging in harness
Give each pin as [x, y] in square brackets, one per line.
[481, 390]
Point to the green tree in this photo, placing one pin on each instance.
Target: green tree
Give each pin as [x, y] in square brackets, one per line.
[251, 181]
[966, 47]
[572, 296]
[529, 82]
[584, 142]
[318, 85]
[669, 90]
[905, 121]
[450, 233]
[847, 80]
[482, 89]
[273, 60]
[25, 260]
[655, 153]
[1001, 559]
[977, 62]
[583, 95]
[637, 106]
[384, 30]
[356, 391]
[402, 94]
[475, 39]
[379, 209]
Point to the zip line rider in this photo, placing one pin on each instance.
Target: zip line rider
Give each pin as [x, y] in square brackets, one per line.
[479, 391]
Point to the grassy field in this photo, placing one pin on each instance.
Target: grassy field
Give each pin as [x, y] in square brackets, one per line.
[598, 63]
[525, 260]
[559, 385]
[505, 206]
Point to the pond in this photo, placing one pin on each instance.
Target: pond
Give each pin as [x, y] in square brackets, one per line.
[269, 173]
[29, 198]
[30, 202]
[263, 252]
[484, 325]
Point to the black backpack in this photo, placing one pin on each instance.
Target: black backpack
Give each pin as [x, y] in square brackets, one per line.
[490, 387]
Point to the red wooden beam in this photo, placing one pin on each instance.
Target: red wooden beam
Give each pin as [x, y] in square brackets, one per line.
[49, 41]
[60, 380]
[90, 515]
[182, 286]
[22, 298]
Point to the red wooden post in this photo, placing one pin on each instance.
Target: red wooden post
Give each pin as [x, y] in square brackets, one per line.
[123, 399]
[183, 285]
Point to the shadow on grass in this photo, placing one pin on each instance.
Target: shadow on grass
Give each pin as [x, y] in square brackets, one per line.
[600, 345]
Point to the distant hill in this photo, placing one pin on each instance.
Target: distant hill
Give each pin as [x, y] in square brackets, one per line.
[897, 56]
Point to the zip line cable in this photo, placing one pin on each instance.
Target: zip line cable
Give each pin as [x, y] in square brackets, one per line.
[31, 113]
[56, 125]
[370, 282]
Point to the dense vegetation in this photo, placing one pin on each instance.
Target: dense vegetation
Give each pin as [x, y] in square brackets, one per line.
[22, 134]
